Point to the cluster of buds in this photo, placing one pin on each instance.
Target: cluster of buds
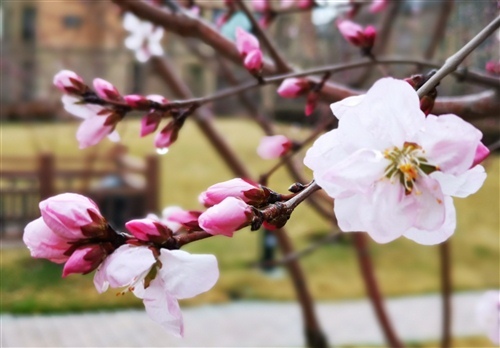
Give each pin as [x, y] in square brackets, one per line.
[358, 36]
[295, 87]
[266, 12]
[82, 102]
[104, 108]
[238, 203]
[71, 230]
[249, 49]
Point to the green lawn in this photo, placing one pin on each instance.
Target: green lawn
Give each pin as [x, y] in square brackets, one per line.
[403, 267]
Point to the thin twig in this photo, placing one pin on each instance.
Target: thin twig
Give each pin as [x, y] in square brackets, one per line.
[454, 61]
[446, 290]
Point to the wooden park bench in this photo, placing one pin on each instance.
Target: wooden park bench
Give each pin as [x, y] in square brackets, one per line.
[124, 187]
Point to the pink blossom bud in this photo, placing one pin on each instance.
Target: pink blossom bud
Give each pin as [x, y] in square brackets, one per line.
[481, 153]
[356, 35]
[312, 101]
[286, 3]
[167, 136]
[266, 19]
[148, 230]
[293, 87]
[253, 61]
[157, 99]
[187, 218]
[73, 216]
[226, 217]
[85, 259]
[261, 5]
[246, 42]
[493, 67]
[275, 146]
[305, 4]
[239, 188]
[150, 123]
[378, 5]
[106, 90]
[69, 82]
[136, 100]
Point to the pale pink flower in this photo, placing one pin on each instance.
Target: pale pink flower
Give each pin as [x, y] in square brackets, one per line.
[44, 243]
[488, 315]
[144, 37]
[148, 230]
[177, 275]
[293, 87]
[355, 34]
[106, 90]
[275, 146]
[246, 42]
[226, 217]
[392, 170]
[239, 188]
[378, 5]
[253, 61]
[69, 82]
[94, 128]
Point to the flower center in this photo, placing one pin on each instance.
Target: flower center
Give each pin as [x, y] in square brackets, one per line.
[407, 164]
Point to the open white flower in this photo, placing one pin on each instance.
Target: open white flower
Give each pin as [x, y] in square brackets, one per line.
[144, 37]
[159, 282]
[392, 170]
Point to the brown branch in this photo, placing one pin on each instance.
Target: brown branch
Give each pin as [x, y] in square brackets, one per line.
[446, 290]
[373, 290]
[455, 60]
[314, 335]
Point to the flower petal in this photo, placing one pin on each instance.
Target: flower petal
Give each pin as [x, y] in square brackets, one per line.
[449, 142]
[429, 198]
[343, 106]
[461, 185]
[124, 266]
[186, 275]
[355, 174]
[439, 235]
[163, 308]
[92, 131]
[71, 105]
[326, 151]
[44, 243]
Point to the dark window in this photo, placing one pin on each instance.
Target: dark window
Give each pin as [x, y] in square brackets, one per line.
[29, 25]
[72, 22]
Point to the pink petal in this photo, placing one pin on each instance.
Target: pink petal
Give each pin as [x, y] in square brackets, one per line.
[392, 212]
[130, 21]
[488, 315]
[275, 146]
[84, 259]
[449, 142]
[124, 266]
[352, 213]
[342, 107]
[326, 151]
[440, 234]
[167, 213]
[105, 89]
[44, 243]
[92, 131]
[429, 199]
[293, 87]
[226, 217]
[482, 152]
[163, 308]
[246, 42]
[187, 275]
[142, 229]
[66, 213]
[73, 106]
[357, 173]
[236, 187]
[378, 5]
[253, 61]
[461, 185]
[134, 42]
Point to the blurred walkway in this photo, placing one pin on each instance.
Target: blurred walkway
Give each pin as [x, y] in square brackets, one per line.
[242, 324]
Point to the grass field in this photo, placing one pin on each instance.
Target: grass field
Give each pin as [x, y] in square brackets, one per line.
[403, 267]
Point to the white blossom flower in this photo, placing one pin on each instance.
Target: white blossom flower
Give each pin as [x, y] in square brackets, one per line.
[392, 170]
[144, 37]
